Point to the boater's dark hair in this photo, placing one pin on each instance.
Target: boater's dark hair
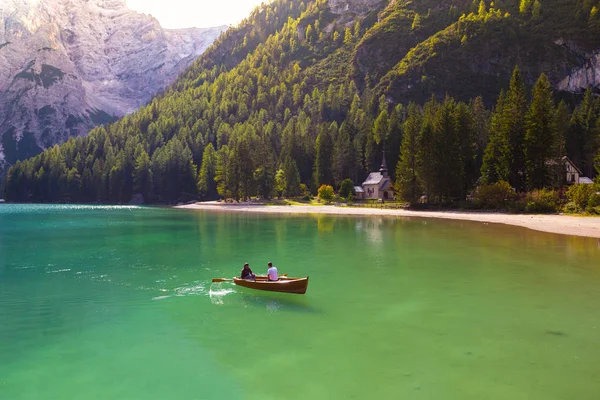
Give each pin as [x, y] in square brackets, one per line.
[270, 264]
[246, 265]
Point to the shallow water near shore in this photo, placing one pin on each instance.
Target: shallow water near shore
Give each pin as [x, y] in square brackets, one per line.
[117, 302]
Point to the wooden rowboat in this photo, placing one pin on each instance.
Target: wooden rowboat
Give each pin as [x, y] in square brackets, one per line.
[284, 284]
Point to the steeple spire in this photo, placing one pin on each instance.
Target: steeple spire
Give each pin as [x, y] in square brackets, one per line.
[384, 168]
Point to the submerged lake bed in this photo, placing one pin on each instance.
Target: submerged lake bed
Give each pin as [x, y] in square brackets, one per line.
[104, 302]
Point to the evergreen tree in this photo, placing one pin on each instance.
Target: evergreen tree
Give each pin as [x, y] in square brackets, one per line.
[583, 136]
[324, 151]
[342, 155]
[143, 175]
[561, 126]
[381, 127]
[495, 167]
[207, 186]
[394, 139]
[540, 138]
[347, 36]
[467, 138]
[347, 189]
[407, 178]
[448, 172]
[280, 182]
[481, 121]
[426, 155]
[292, 177]
[222, 173]
[513, 128]
[537, 9]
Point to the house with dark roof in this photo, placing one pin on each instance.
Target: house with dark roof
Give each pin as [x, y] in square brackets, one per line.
[378, 185]
[574, 175]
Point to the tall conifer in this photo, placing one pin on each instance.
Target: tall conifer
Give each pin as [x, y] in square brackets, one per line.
[407, 179]
[540, 137]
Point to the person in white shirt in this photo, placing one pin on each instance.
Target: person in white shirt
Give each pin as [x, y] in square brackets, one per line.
[272, 272]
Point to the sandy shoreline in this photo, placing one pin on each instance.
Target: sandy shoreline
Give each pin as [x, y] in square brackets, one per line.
[561, 224]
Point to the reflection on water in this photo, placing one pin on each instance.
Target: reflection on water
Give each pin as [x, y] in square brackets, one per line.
[271, 301]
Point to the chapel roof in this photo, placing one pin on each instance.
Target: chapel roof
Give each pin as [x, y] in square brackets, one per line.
[374, 178]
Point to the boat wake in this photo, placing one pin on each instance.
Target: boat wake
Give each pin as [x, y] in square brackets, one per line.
[216, 293]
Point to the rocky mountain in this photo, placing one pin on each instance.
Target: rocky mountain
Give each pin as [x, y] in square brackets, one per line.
[69, 65]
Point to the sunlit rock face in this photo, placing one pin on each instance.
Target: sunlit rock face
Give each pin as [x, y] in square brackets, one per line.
[588, 75]
[68, 65]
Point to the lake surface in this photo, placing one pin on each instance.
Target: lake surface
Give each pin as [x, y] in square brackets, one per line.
[117, 303]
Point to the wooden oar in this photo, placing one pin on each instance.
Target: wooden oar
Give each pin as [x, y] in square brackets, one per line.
[217, 280]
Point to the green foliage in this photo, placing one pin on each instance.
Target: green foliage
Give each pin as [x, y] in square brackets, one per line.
[524, 6]
[594, 200]
[497, 196]
[381, 127]
[583, 136]
[481, 11]
[280, 182]
[541, 138]
[504, 158]
[348, 36]
[324, 150]
[541, 201]
[325, 193]
[407, 175]
[206, 177]
[347, 189]
[292, 178]
[143, 178]
[571, 208]
[581, 195]
[416, 22]
[537, 9]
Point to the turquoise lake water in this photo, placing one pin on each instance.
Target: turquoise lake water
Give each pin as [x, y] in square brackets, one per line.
[117, 303]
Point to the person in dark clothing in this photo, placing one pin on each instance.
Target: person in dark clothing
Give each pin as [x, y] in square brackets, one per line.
[247, 273]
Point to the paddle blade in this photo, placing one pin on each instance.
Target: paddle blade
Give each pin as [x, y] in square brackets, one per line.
[216, 280]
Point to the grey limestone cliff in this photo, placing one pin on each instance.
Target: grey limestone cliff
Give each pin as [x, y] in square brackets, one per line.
[588, 75]
[68, 65]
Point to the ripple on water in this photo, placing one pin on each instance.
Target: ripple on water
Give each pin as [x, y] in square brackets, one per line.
[217, 294]
[190, 289]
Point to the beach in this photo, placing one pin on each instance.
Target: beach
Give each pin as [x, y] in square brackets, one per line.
[562, 224]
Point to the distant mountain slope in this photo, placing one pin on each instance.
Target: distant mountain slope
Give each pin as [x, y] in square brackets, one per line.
[315, 91]
[69, 65]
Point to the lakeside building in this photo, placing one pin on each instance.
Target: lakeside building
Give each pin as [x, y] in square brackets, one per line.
[378, 185]
[574, 174]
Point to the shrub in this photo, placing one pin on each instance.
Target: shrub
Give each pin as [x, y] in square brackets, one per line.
[594, 200]
[571, 208]
[347, 188]
[594, 210]
[326, 193]
[580, 194]
[542, 201]
[305, 192]
[496, 196]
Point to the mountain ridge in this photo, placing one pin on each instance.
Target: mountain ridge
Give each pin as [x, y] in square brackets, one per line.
[69, 65]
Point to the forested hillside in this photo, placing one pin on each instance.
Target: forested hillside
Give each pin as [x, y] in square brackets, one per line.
[308, 93]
